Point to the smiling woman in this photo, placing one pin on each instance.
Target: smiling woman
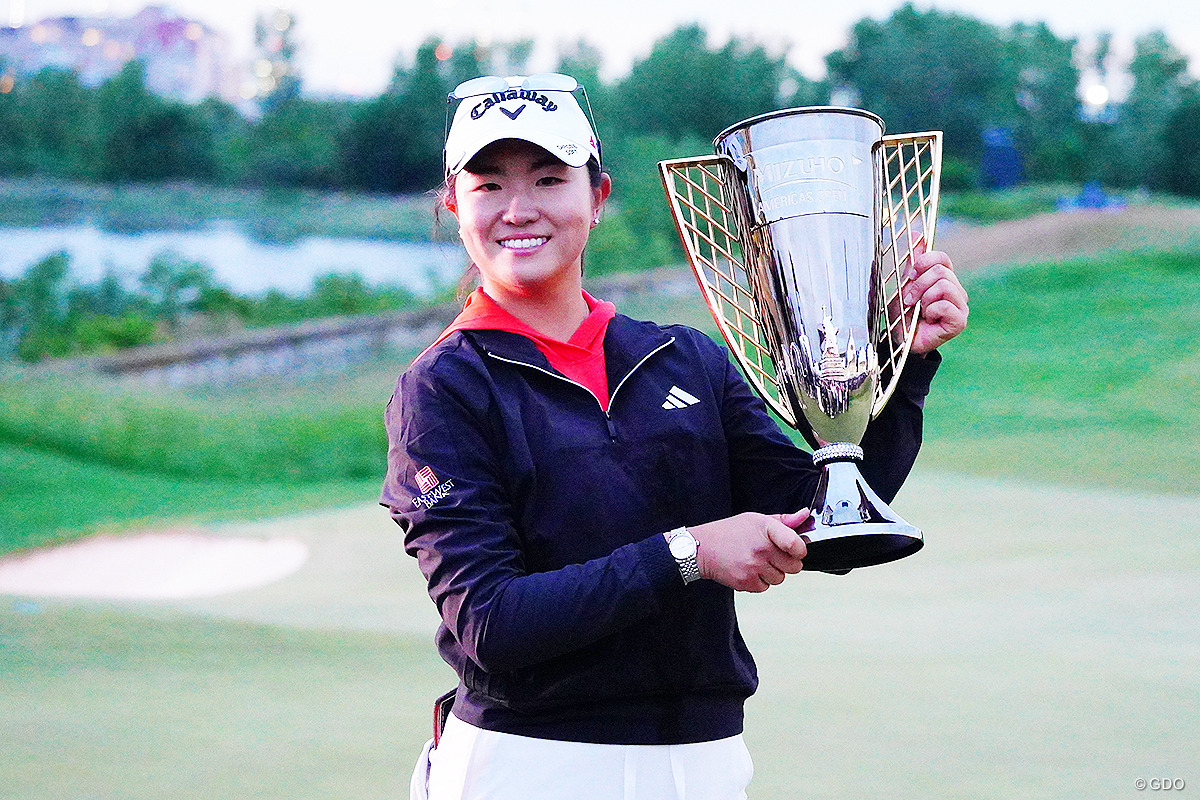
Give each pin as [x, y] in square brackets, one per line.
[524, 218]
[584, 492]
[517, 183]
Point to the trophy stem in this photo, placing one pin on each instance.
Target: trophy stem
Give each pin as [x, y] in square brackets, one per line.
[851, 526]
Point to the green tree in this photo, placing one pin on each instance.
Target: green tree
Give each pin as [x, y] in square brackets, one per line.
[1101, 53]
[394, 142]
[97, 333]
[1180, 134]
[144, 137]
[230, 139]
[1160, 81]
[14, 135]
[174, 288]
[1046, 113]
[296, 144]
[337, 294]
[583, 62]
[929, 70]
[108, 297]
[467, 60]
[59, 115]
[275, 63]
[41, 309]
[9, 317]
[638, 231]
[796, 90]
[684, 88]
[511, 58]
[374, 153]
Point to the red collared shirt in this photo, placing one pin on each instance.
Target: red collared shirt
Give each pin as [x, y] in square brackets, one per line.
[580, 358]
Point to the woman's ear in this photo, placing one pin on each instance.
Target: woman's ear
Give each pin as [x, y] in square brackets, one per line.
[600, 194]
[449, 202]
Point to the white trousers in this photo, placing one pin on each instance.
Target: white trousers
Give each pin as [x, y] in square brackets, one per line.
[473, 764]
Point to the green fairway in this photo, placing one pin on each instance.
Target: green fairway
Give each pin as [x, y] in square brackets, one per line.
[100, 704]
[1044, 644]
[1083, 372]
[298, 436]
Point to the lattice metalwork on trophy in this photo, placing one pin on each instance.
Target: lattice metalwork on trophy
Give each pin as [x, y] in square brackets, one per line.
[709, 232]
[912, 165]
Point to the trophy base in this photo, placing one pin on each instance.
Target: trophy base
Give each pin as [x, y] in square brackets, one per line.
[865, 547]
[851, 526]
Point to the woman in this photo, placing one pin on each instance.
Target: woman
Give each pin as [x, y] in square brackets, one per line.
[581, 537]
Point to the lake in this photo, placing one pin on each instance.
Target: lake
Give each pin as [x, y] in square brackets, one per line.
[240, 263]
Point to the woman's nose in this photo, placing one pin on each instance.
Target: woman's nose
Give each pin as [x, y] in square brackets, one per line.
[520, 210]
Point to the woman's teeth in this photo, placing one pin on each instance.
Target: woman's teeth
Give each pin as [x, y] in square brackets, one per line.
[523, 244]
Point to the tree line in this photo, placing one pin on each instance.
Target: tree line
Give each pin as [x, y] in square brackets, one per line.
[918, 69]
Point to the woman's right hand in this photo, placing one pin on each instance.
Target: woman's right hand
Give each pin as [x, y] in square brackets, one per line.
[751, 552]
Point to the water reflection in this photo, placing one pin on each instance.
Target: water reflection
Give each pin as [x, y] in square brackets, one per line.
[242, 264]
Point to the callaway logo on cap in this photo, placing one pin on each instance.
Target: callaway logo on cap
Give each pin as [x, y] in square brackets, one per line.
[540, 109]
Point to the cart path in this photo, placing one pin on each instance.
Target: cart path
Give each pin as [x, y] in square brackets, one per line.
[1063, 235]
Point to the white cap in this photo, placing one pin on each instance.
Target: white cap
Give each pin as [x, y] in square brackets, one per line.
[549, 118]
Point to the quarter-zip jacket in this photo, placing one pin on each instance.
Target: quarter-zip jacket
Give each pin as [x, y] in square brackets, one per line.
[537, 520]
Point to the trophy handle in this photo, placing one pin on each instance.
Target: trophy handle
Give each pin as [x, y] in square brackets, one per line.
[912, 170]
[705, 219]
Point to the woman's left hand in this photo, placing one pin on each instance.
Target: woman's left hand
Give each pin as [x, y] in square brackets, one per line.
[932, 282]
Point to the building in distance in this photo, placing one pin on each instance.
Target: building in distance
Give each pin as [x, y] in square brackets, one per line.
[184, 59]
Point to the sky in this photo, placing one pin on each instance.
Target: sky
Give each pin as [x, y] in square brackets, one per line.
[351, 46]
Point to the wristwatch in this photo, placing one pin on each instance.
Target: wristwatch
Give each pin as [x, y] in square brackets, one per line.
[683, 547]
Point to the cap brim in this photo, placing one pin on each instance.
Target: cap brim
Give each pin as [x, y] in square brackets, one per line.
[570, 153]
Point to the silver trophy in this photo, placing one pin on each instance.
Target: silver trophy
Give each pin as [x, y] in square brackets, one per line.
[799, 231]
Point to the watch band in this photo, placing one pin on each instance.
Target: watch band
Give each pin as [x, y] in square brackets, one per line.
[689, 567]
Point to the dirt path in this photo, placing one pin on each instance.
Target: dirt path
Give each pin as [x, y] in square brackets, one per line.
[1053, 237]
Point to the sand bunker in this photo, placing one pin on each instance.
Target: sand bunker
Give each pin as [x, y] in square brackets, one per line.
[151, 566]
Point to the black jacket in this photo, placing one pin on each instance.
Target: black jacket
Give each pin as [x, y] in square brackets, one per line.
[537, 519]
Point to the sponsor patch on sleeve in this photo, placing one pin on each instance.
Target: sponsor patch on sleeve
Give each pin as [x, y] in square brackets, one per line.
[426, 480]
[432, 489]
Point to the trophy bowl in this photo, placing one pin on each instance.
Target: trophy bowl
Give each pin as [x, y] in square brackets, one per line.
[799, 230]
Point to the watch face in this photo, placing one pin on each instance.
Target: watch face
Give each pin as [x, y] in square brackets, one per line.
[683, 546]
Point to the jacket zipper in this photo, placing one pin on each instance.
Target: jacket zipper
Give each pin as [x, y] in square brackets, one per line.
[612, 396]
